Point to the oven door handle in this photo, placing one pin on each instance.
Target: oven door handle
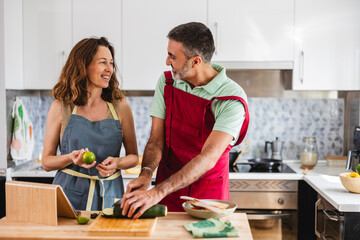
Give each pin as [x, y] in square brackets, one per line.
[258, 216]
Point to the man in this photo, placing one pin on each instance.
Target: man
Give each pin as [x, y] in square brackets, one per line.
[196, 119]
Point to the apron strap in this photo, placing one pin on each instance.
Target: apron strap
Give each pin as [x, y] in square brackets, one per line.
[74, 110]
[112, 110]
[245, 124]
[93, 180]
[111, 107]
[169, 98]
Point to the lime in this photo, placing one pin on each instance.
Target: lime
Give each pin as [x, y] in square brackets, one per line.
[88, 157]
[358, 168]
[82, 220]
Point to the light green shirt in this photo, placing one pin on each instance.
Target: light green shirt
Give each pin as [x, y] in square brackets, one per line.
[229, 114]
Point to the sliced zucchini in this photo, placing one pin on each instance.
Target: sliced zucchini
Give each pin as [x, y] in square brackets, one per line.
[107, 212]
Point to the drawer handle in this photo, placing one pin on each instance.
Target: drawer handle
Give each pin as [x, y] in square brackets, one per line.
[317, 233]
[333, 215]
[280, 201]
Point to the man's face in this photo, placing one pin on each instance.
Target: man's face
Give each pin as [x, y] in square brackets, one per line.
[177, 60]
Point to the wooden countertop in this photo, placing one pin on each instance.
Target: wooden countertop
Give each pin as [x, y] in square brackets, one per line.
[169, 227]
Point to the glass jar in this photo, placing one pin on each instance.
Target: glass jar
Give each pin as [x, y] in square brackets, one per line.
[308, 152]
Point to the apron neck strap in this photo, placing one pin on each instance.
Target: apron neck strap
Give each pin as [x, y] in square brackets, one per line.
[168, 77]
[112, 110]
[111, 107]
[74, 110]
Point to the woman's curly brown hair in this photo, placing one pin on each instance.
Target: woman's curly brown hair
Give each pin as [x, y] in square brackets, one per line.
[71, 86]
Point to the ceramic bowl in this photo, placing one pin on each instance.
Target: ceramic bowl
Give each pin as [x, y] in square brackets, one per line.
[351, 184]
[204, 214]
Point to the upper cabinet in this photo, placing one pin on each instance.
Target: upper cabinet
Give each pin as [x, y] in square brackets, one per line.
[319, 40]
[327, 45]
[145, 27]
[245, 30]
[47, 41]
[98, 18]
[13, 44]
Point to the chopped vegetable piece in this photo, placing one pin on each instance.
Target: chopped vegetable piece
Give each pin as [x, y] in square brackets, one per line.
[107, 212]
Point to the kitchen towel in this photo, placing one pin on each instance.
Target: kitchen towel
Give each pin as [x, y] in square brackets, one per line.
[212, 228]
[22, 144]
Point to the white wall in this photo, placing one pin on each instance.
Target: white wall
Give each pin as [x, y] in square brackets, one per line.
[3, 161]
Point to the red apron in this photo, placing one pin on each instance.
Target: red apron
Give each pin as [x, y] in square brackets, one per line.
[188, 123]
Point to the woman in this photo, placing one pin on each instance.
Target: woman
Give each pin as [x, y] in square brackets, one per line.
[89, 113]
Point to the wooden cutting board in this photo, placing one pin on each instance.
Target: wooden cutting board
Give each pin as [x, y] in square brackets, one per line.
[121, 227]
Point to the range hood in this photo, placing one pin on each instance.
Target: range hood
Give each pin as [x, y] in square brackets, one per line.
[257, 65]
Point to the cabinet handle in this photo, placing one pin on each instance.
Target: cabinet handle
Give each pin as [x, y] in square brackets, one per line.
[328, 237]
[333, 215]
[301, 67]
[216, 37]
[317, 204]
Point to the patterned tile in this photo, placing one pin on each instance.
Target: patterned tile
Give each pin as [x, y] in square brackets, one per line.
[288, 119]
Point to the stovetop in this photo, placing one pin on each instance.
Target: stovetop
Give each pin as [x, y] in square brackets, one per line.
[247, 168]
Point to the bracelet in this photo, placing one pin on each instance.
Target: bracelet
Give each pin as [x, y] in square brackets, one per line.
[147, 168]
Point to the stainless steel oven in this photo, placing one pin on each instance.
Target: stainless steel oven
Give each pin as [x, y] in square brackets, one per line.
[271, 205]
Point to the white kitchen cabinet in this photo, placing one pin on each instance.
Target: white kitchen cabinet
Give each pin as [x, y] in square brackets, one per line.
[98, 18]
[46, 41]
[327, 45]
[253, 30]
[13, 50]
[145, 27]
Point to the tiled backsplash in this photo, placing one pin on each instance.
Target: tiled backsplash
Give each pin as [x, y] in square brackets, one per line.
[288, 119]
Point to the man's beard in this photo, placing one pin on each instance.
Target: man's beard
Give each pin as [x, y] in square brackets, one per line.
[183, 72]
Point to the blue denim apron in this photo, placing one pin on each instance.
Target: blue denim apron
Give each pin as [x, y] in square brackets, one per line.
[85, 188]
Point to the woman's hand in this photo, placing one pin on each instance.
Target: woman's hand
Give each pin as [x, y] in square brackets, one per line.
[107, 167]
[76, 157]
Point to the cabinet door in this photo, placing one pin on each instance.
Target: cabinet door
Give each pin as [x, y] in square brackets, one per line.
[47, 41]
[145, 27]
[13, 42]
[99, 18]
[327, 50]
[246, 30]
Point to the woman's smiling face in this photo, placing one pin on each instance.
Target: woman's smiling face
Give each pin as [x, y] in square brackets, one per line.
[101, 68]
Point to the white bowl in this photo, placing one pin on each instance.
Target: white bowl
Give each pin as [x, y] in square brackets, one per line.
[351, 184]
[204, 214]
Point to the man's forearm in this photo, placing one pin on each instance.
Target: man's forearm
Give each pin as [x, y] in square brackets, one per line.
[190, 173]
[152, 155]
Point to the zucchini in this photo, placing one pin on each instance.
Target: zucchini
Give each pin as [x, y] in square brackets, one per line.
[107, 212]
[157, 210]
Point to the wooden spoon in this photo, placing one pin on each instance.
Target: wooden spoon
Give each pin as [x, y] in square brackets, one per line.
[211, 205]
